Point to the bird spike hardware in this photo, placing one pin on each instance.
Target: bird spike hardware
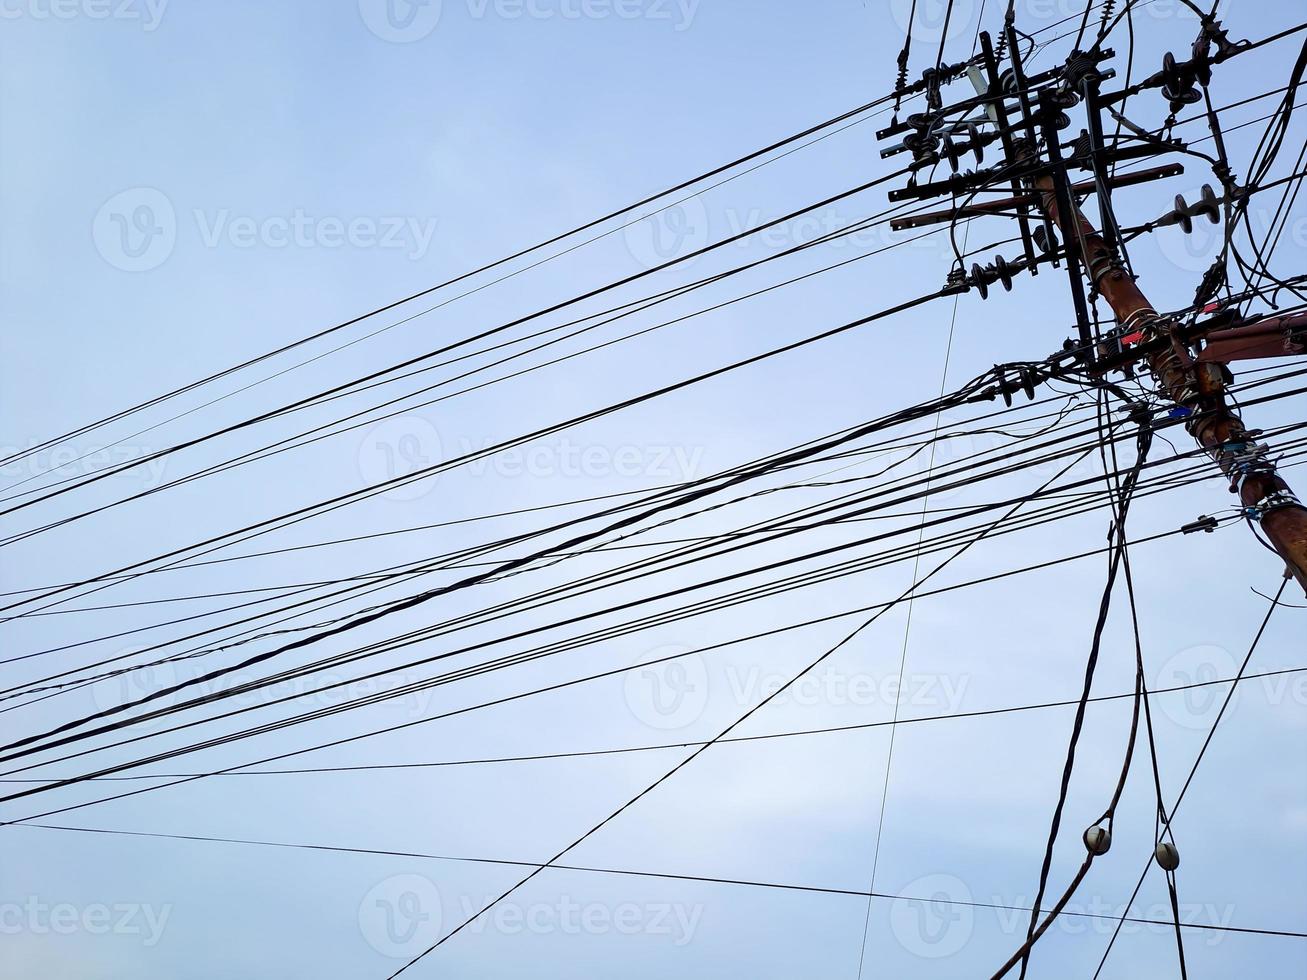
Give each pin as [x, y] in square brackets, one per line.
[1026, 116]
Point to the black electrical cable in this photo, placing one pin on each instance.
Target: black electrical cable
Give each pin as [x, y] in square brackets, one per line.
[464, 923]
[310, 716]
[251, 732]
[185, 444]
[1194, 768]
[511, 698]
[684, 185]
[1105, 603]
[438, 562]
[667, 746]
[344, 499]
[578, 539]
[879, 505]
[812, 889]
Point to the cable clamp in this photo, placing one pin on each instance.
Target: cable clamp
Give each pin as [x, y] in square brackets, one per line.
[1273, 501]
[1204, 523]
[1246, 457]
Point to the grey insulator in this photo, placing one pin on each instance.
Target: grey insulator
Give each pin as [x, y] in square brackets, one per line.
[1167, 856]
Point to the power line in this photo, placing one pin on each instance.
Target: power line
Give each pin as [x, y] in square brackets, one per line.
[667, 746]
[811, 889]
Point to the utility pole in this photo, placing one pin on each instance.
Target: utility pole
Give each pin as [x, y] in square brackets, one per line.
[1198, 386]
[1025, 114]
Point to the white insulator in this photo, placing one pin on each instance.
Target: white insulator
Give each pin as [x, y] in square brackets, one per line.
[1098, 840]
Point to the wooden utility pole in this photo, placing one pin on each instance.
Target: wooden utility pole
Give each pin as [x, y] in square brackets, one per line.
[1033, 161]
[1196, 385]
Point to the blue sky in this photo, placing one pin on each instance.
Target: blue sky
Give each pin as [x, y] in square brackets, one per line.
[187, 185]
